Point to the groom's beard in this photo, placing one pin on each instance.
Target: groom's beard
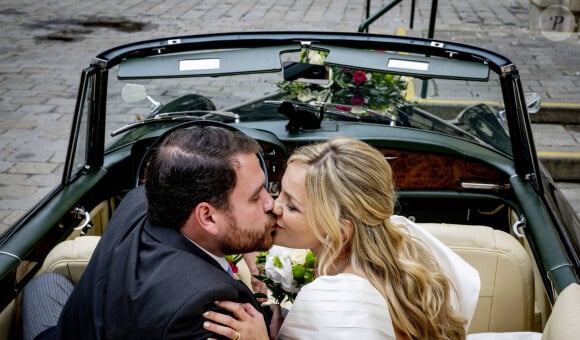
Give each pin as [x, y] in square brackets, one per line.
[239, 241]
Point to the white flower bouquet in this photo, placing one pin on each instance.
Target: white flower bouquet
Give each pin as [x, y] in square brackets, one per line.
[285, 271]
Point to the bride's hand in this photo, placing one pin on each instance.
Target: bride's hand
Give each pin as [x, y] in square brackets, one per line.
[247, 324]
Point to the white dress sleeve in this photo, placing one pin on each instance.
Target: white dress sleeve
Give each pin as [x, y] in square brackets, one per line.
[343, 306]
[464, 277]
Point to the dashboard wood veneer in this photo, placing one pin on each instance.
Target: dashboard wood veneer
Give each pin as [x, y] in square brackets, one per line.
[422, 171]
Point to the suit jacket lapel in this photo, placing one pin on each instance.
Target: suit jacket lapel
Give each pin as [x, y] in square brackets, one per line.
[175, 239]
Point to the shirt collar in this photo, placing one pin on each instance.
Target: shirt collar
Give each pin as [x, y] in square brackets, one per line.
[222, 261]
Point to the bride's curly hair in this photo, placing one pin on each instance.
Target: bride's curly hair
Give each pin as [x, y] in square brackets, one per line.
[349, 184]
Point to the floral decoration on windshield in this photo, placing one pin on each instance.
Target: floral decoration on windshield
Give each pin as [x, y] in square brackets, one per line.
[349, 87]
[285, 271]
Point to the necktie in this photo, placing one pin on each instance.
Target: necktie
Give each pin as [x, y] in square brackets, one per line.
[230, 271]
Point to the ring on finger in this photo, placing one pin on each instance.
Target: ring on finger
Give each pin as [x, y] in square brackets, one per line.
[237, 336]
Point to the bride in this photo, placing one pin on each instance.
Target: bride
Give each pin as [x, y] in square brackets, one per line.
[379, 276]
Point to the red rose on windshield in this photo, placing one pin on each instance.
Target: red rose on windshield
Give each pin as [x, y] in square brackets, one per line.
[359, 78]
[357, 100]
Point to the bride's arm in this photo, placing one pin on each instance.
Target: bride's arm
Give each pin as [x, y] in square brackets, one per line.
[248, 321]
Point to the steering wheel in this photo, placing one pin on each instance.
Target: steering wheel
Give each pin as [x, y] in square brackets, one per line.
[201, 123]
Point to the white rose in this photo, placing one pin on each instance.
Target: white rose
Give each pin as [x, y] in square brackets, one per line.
[316, 58]
[280, 255]
[298, 256]
[305, 95]
[321, 96]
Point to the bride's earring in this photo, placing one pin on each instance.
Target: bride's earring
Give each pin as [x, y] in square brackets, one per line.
[327, 239]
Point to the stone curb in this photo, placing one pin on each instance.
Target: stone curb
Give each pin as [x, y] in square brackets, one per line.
[562, 169]
[557, 113]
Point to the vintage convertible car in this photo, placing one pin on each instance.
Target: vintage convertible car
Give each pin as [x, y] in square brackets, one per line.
[451, 119]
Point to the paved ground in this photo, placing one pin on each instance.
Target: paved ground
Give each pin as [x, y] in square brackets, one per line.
[45, 43]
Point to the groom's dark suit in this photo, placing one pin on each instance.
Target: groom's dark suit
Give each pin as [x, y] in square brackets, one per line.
[146, 282]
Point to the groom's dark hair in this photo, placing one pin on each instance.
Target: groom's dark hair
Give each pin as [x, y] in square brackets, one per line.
[190, 166]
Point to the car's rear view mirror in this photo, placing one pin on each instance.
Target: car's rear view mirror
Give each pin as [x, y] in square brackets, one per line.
[308, 73]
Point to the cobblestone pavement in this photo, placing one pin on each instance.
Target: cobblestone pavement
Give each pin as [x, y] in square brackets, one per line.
[44, 44]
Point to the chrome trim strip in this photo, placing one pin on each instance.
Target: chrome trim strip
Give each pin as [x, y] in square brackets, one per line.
[11, 255]
[482, 186]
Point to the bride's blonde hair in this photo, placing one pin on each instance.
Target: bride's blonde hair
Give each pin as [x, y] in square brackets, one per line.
[348, 180]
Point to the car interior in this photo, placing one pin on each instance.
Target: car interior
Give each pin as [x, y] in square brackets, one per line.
[510, 300]
[512, 296]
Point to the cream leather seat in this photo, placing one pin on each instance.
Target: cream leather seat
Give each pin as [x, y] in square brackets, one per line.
[506, 298]
[563, 322]
[70, 257]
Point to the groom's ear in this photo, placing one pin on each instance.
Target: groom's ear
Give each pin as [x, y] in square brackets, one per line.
[207, 217]
[346, 229]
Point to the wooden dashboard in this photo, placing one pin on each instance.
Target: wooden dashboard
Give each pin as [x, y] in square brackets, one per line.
[415, 170]
[421, 171]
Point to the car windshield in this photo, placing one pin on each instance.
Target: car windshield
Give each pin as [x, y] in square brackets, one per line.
[309, 90]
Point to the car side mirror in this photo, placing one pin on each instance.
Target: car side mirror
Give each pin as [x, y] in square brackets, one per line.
[533, 102]
[132, 93]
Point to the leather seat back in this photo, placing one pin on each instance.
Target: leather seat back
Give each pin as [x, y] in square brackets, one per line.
[563, 322]
[70, 257]
[506, 298]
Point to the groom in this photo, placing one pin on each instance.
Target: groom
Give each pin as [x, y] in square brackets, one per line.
[153, 275]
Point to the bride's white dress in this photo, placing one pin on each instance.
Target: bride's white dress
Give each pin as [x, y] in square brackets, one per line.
[343, 306]
[346, 306]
